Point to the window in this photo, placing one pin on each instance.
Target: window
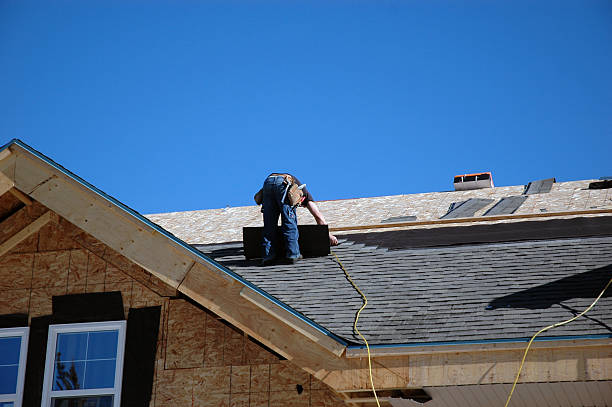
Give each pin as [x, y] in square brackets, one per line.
[13, 350]
[84, 365]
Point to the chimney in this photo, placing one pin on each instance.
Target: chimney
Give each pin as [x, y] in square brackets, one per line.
[473, 181]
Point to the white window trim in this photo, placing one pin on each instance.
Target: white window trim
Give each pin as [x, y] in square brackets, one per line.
[23, 332]
[115, 391]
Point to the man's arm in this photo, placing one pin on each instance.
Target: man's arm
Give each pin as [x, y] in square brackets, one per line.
[316, 213]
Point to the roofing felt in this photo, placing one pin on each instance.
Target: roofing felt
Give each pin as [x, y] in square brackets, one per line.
[542, 186]
[469, 292]
[506, 206]
[467, 208]
[225, 225]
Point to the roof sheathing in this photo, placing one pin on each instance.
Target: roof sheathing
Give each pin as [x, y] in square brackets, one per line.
[225, 225]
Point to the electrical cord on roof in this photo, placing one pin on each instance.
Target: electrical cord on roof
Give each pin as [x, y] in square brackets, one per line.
[365, 302]
[546, 329]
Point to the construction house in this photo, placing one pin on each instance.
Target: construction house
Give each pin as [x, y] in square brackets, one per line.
[102, 306]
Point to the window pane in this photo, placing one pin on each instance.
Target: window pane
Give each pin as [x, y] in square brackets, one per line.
[8, 379]
[68, 375]
[9, 404]
[9, 350]
[102, 345]
[100, 374]
[71, 346]
[100, 401]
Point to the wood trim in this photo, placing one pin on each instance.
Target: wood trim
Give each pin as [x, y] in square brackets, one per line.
[486, 347]
[6, 184]
[21, 196]
[26, 232]
[472, 220]
[5, 154]
[294, 322]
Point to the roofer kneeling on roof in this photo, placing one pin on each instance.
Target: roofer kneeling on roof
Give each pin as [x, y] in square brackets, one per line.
[281, 194]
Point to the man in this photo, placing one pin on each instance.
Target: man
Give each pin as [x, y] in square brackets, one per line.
[275, 203]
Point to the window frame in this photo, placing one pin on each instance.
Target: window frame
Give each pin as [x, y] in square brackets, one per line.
[54, 330]
[23, 332]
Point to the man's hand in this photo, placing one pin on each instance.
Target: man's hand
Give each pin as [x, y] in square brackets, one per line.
[333, 241]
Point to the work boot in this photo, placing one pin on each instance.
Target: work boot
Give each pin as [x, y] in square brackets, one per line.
[267, 262]
[294, 260]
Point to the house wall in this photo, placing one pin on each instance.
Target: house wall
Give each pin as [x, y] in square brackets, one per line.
[201, 360]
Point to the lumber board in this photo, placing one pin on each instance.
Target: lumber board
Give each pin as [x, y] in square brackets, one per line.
[472, 220]
[221, 294]
[4, 154]
[26, 232]
[21, 196]
[285, 316]
[6, 184]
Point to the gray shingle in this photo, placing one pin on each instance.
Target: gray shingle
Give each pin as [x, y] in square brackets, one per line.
[468, 292]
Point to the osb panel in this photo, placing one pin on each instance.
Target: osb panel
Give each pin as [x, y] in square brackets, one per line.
[16, 271]
[260, 378]
[211, 400]
[186, 335]
[41, 300]
[174, 388]
[239, 400]
[289, 398]
[52, 238]
[96, 270]
[211, 380]
[14, 301]
[51, 269]
[286, 376]
[77, 269]
[233, 351]
[215, 341]
[240, 379]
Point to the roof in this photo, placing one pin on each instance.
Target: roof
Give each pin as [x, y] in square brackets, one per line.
[466, 292]
[225, 225]
[430, 284]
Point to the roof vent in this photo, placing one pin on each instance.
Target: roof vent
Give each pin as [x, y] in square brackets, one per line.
[473, 181]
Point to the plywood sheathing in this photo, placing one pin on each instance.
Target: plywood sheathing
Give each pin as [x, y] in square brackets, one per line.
[224, 367]
[225, 225]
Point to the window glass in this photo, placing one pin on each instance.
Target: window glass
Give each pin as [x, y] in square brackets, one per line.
[9, 404]
[84, 365]
[85, 360]
[101, 401]
[9, 364]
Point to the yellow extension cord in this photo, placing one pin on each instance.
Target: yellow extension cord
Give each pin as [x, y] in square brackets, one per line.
[546, 329]
[365, 302]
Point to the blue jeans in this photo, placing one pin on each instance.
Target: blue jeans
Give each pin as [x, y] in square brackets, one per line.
[273, 206]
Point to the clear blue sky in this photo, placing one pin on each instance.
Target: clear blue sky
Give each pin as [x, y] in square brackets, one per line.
[181, 105]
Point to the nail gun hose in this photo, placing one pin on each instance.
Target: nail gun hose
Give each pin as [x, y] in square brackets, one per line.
[365, 302]
[546, 329]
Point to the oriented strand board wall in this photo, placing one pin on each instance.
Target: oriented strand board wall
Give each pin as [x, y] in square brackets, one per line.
[201, 361]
